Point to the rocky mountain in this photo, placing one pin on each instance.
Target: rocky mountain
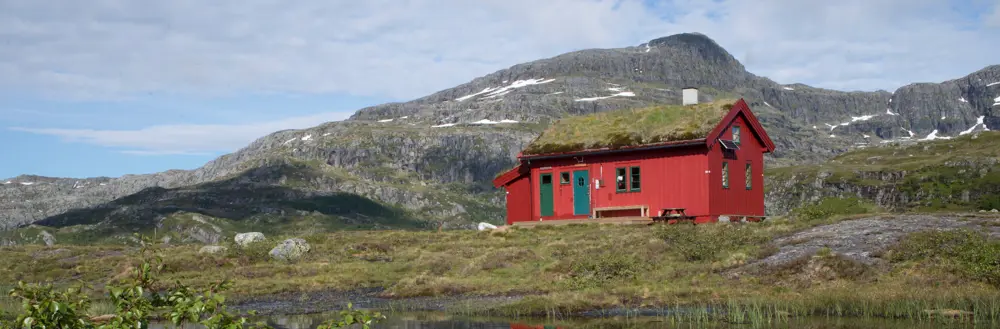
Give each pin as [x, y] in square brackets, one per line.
[431, 159]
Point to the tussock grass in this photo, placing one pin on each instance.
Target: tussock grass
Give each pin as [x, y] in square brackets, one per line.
[564, 270]
[630, 127]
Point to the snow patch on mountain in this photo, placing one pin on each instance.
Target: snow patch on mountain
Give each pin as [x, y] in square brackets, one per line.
[621, 94]
[492, 92]
[979, 121]
[863, 118]
[933, 136]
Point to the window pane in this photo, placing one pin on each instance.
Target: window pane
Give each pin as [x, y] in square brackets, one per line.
[635, 178]
[749, 178]
[620, 183]
[564, 178]
[546, 179]
[736, 134]
[725, 174]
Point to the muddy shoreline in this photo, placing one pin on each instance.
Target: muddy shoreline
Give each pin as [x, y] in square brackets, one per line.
[370, 298]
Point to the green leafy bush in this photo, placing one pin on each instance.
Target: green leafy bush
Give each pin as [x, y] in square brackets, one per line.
[829, 207]
[138, 299]
[44, 307]
[964, 251]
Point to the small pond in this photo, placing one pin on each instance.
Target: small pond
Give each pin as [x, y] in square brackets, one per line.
[443, 321]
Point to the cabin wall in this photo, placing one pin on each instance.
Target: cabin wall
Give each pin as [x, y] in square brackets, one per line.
[519, 200]
[737, 199]
[674, 178]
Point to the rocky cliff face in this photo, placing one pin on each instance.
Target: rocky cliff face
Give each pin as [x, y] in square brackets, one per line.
[433, 157]
[952, 174]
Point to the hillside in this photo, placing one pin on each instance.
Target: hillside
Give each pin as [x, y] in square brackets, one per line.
[431, 158]
[952, 174]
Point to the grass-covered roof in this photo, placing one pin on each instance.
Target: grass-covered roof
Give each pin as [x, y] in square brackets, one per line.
[631, 127]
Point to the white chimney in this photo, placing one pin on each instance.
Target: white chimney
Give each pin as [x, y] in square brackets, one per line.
[689, 96]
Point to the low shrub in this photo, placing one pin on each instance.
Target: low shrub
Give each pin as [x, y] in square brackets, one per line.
[830, 207]
[705, 242]
[252, 253]
[963, 251]
[604, 268]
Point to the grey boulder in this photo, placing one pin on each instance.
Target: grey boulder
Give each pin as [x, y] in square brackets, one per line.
[245, 239]
[290, 249]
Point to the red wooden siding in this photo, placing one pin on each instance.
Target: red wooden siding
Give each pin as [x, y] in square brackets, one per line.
[519, 201]
[737, 200]
[669, 178]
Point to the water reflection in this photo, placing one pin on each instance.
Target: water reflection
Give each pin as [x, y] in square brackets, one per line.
[443, 321]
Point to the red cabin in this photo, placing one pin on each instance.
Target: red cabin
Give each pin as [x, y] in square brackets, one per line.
[715, 173]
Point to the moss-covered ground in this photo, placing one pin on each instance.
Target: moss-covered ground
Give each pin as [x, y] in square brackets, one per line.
[572, 268]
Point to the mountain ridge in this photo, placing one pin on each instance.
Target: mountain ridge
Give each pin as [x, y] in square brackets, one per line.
[406, 153]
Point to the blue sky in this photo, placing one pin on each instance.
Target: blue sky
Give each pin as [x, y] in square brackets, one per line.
[127, 87]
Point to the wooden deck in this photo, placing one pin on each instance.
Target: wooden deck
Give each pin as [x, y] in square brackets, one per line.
[616, 220]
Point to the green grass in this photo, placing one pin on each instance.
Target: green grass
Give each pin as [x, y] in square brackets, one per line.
[561, 270]
[831, 207]
[630, 127]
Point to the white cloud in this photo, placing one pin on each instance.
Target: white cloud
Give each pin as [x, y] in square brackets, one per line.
[184, 139]
[112, 49]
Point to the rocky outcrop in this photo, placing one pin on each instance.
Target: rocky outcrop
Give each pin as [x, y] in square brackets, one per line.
[862, 240]
[951, 174]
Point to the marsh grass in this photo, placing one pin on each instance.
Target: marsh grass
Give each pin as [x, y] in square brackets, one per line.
[678, 271]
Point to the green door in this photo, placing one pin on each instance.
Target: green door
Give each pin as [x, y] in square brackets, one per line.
[581, 195]
[545, 194]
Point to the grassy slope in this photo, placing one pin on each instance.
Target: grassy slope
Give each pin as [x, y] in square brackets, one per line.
[630, 127]
[931, 175]
[569, 268]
